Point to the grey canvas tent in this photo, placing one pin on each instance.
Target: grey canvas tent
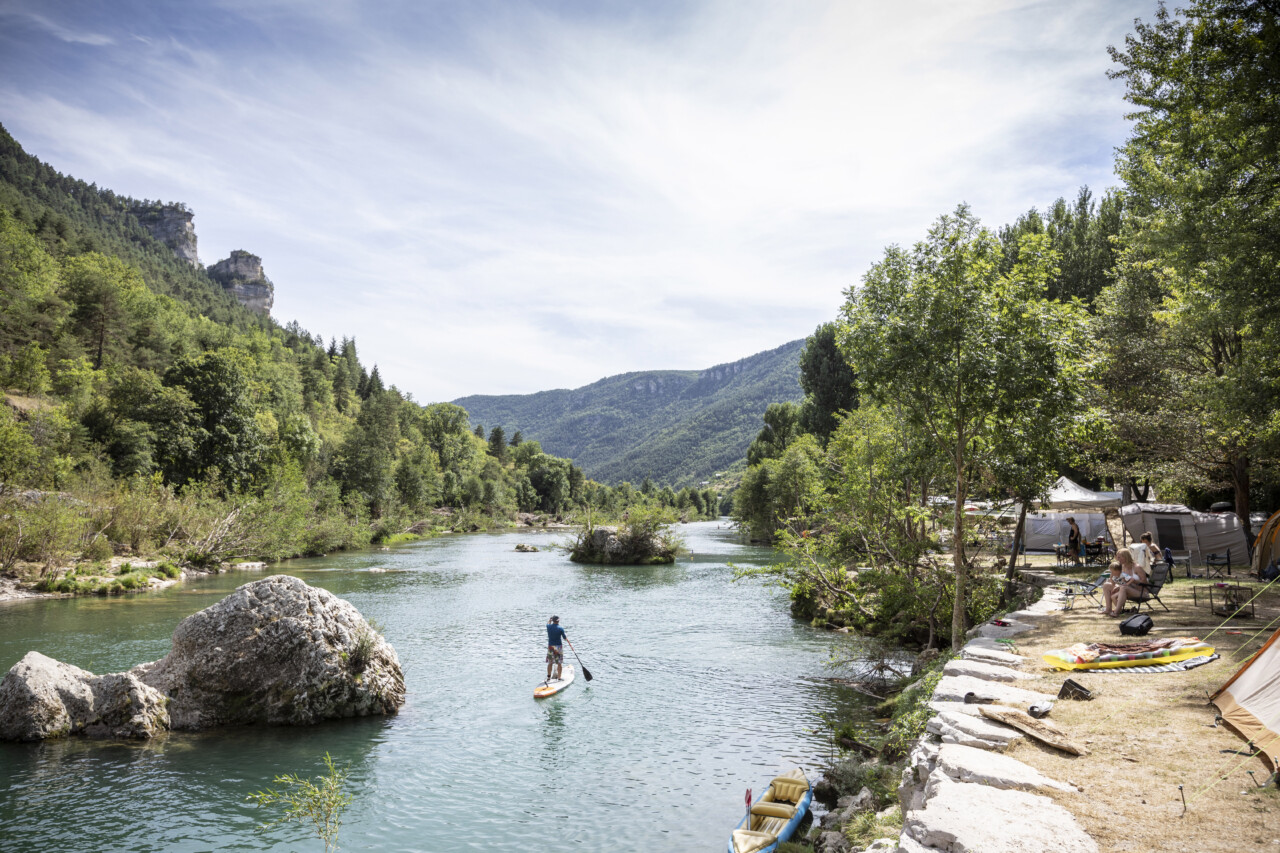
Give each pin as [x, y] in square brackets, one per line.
[1044, 530]
[1182, 529]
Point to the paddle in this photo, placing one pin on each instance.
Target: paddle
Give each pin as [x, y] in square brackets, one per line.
[586, 673]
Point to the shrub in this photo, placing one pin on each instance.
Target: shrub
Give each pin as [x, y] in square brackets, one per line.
[851, 775]
[98, 548]
[911, 712]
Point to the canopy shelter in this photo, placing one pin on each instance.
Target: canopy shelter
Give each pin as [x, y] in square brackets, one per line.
[1068, 494]
[1250, 701]
[1267, 546]
[1182, 529]
[1045, 530]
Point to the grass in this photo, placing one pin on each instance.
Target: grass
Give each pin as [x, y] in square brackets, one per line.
[866, 827]
[1148, 734]
[101, 579]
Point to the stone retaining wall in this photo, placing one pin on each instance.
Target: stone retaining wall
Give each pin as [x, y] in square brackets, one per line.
[959, 794]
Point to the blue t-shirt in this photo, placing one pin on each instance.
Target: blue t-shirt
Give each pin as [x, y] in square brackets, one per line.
[554, 633]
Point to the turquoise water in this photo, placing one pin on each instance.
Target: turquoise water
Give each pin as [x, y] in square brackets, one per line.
[702, 688]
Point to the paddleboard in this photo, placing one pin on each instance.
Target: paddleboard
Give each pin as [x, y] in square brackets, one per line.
[555, 685]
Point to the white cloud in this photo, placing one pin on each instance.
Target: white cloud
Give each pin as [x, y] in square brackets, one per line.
[67, 34]
[505, 203]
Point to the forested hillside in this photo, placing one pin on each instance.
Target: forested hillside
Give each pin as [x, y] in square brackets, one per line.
[146, 412]
[675, 426]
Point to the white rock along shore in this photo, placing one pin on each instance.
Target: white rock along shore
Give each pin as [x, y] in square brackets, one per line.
[959, 793]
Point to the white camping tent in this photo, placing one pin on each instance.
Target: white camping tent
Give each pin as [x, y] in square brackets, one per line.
[1067, 494]
[1044, 530]
[1250, 701]
[1178, 528]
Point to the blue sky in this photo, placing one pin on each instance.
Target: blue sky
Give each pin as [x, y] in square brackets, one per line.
[501, 197]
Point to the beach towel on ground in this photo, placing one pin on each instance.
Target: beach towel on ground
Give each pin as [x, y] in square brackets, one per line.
[1108, 655]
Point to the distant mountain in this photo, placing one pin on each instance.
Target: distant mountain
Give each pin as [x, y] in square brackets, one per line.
[676, 426]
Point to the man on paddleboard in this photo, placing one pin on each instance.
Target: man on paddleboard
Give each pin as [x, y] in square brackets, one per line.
[555, 649]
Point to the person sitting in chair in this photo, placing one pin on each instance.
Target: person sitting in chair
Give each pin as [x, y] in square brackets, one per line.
[1147, 554]
[1128, 585]
[1110, 584]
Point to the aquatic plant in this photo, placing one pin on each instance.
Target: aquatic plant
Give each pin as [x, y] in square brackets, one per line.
[319, 802]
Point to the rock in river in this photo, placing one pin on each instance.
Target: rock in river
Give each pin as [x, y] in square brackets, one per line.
[275, 651]
[41, 698]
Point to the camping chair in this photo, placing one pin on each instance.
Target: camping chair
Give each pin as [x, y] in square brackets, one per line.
[1088, 589]
[1215, 563]
[1151, 589]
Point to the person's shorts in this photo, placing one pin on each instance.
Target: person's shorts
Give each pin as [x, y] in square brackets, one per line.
[555, 654]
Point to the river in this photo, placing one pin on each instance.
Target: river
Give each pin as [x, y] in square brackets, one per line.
[702, 687]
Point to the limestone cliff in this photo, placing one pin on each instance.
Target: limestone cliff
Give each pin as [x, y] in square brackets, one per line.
[241, 275]
[171, 225]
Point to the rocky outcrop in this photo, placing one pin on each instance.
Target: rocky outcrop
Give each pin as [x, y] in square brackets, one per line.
[275, 651]
[42, 698]
[241, 275]
[171, 225]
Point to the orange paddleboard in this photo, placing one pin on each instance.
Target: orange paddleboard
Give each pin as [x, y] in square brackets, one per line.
[551, 688]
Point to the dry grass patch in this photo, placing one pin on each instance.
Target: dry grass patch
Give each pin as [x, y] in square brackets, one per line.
[1150, 733]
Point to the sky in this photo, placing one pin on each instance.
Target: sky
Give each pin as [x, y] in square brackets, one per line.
[508, 197]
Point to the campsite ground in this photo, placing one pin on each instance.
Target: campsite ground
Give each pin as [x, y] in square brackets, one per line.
[1148, 734]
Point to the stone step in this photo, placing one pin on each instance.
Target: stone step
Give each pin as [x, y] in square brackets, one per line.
[962, 817]
[983, 767]
[985, 671]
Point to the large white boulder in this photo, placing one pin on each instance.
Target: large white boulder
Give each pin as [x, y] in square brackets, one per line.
[276, 651]
[43, 698]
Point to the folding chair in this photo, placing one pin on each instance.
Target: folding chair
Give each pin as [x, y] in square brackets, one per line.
[1215, 563]
[1088, 589]
[1151, 589]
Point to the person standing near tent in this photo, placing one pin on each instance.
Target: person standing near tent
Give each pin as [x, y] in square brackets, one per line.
[555, 647]
[1075, 542]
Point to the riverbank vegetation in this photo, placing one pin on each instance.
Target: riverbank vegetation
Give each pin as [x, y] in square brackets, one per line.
[1123, 340]
[644, 537]
[146, 413]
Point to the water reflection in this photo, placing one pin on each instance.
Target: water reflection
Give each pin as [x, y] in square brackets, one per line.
[634, 577]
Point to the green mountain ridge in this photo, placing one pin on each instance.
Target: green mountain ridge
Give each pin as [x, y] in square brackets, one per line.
[678, 427]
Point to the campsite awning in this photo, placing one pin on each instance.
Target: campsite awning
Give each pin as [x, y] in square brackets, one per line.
[1068, 494]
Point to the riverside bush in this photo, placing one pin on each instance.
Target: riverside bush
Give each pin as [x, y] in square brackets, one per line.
[911, 711]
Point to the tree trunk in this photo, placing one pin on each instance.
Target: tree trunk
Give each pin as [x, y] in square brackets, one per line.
[1240, 480]
[1012, 571]
[958, 610]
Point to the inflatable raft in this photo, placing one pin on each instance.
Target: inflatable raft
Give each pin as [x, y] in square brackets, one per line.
[775, 817]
